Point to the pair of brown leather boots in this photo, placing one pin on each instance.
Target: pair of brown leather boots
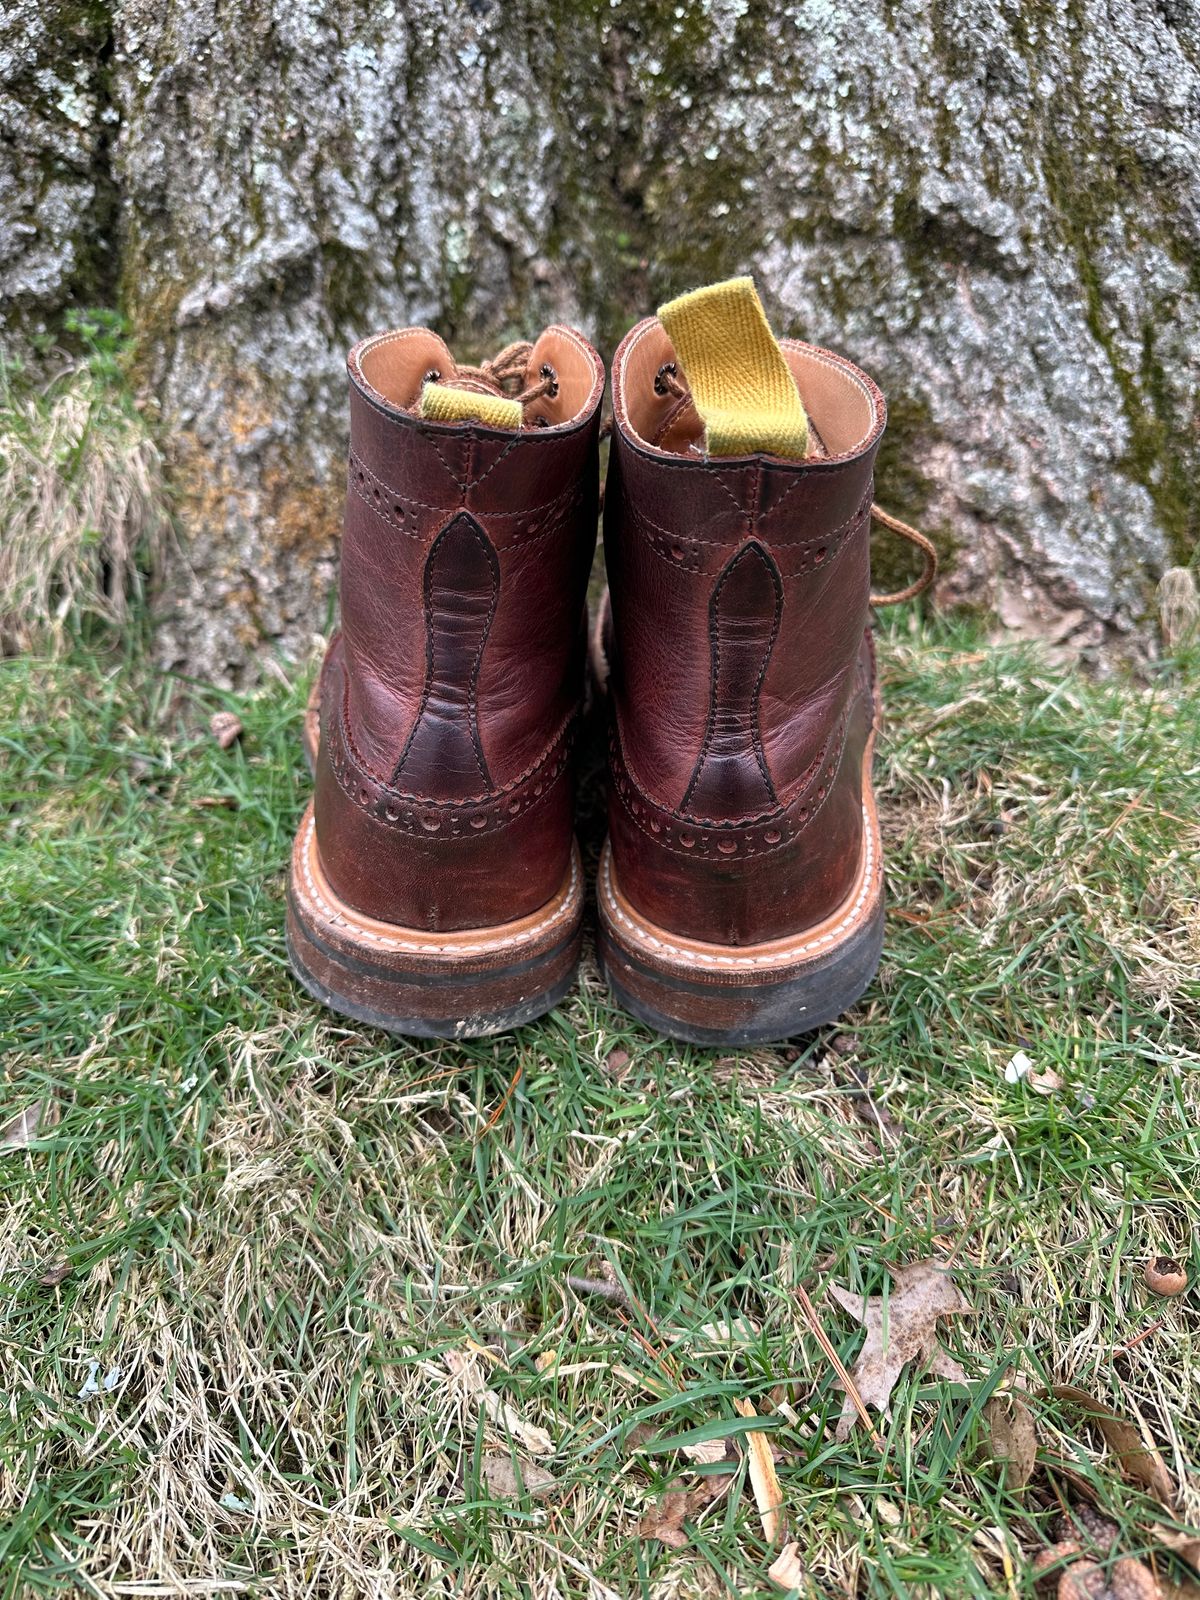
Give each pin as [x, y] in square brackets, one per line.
[436, 886]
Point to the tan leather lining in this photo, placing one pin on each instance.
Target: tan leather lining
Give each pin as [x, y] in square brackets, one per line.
[838, 403]
[394, 366]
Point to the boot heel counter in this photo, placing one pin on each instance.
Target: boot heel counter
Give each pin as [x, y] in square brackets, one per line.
[745, 879]
[434, 862]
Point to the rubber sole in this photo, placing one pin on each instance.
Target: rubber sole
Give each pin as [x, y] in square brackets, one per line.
[746, 994]
[460, 985]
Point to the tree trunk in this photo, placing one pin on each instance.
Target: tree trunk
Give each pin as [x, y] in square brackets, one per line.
[992, 207]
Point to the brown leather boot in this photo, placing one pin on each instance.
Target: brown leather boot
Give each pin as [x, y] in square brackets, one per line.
[741, 889]
[435, 883]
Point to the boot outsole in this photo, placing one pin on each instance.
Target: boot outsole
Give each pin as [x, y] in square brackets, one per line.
[464, 984]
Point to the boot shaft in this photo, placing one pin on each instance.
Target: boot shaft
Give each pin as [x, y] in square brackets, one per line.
[464, 566]
[741, 670]
[449, 704]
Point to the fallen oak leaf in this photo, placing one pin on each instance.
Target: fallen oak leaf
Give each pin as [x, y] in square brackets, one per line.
[1011, 1438]
[707, 1453]
[923, 1293]
[536, 1440]
[464, 1367]
[640, 1436]
[1140, 1462]
[616, 1063]
[225, 728]
[1047, 1082]
[1179, 1542]
[1054, 1466]
[740, 1331]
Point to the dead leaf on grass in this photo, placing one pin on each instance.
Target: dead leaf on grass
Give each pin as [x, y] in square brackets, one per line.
[1140, 1462]
[536, 1440]
[23, 1129]
[1179, 1542]
[922, 1294]
[707, 1453]
[665, 1521]
[787, 1571]
[225, 728]
[464, 1365]
[1011, 1438]
[616, 1064]
[639, 1436]
[740, 1331]
[1047, 1082]
[507, 1479]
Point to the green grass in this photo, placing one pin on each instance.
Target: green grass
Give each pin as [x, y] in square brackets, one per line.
[279, 1226]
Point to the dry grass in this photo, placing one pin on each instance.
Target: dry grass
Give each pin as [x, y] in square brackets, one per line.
[85, 518]
[309, 1257]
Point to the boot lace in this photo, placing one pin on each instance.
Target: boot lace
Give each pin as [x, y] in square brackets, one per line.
[503, 375]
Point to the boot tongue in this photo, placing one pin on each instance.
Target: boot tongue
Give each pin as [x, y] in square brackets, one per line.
[741, 384]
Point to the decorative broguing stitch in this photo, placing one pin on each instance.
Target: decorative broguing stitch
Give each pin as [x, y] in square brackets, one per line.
[695, 955]
[384, 506]
[539, 522]
[701, 839]
[825, 555]
[681, 551]
[336, 919]
[827, 537]
[830, 535]
[422, 817]
[673, 550]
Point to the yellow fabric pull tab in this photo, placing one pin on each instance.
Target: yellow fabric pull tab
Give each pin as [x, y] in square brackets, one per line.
[440, 404]
[741, 384]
